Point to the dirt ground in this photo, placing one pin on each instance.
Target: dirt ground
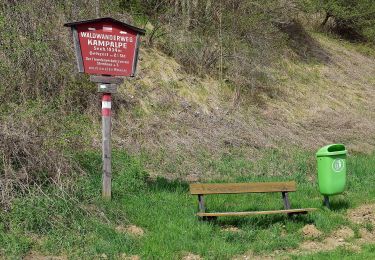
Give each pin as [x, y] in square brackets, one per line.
[342, 237]
[36, 256]
[363, 214]
[191, 256]
[310, 231]
[130, 229]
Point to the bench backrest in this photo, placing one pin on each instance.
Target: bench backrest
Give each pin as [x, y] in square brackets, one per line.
[233, 188]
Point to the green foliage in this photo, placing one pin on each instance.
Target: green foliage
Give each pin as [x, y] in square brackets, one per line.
[14, 244]
[42, 98]
[353, 19]
[232, 41]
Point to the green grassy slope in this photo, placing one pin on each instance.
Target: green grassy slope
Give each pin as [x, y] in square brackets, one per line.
[82, 225]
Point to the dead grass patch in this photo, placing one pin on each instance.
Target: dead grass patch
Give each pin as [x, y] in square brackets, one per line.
[129, 257]
[363, 214]
[230, 229]
[37, 256]
[191, 256]
[310, 231]
[252, 256]
[130, 229]
[366, 236]
[338, 238]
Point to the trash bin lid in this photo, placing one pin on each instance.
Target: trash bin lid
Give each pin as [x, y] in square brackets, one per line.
[331, 149]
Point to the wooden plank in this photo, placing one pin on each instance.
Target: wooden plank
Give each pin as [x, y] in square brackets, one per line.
[326, 201]
[106, 147]
[249, 213]
[77, 49]
[233, 188]
[106, 20]
[286, 200]
[136, 52]
[106, 79]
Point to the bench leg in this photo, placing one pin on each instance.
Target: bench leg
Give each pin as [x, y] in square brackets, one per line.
[286, 200]
[209, 218]
[201, 203]
[287, 204]
[202, 208]
[326, 202]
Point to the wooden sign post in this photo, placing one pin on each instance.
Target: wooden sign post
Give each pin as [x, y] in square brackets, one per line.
[106, 48]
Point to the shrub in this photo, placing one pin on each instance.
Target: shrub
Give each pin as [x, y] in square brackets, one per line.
[353, 20]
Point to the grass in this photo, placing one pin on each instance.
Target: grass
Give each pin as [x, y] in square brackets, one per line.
[361, 47]
[81, 225]
[367, 252]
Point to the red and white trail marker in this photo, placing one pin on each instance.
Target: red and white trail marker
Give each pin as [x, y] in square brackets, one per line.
[106, 104]
[106, 48]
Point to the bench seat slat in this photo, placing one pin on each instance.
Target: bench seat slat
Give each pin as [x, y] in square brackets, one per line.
[233, 188]
[248, 213]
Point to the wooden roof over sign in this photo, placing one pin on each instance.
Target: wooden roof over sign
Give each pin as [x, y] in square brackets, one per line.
[107, 19]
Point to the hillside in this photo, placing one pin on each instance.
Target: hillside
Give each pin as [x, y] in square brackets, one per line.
[308, 105]
[225, 91]
[197, 97]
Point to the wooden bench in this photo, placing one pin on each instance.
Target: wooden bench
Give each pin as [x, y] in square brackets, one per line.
[235, 188]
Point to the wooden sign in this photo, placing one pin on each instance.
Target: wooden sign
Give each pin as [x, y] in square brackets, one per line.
[106, 46]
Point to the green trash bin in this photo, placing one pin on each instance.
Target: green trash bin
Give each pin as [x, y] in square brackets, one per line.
[331, 169]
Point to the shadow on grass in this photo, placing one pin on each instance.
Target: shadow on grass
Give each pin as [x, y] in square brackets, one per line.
[163, 184]
[305, 46]
[339, 205]
[262, 222]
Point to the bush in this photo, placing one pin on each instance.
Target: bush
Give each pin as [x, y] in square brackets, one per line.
[232, 40]
[353, 20]
[42, 97]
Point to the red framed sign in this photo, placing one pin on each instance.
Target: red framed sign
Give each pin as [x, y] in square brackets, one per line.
[106, 46]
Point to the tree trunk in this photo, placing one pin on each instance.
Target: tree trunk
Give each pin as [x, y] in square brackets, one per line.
[97, 8]
[176, 7]
[208, 8]
[328, 15]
